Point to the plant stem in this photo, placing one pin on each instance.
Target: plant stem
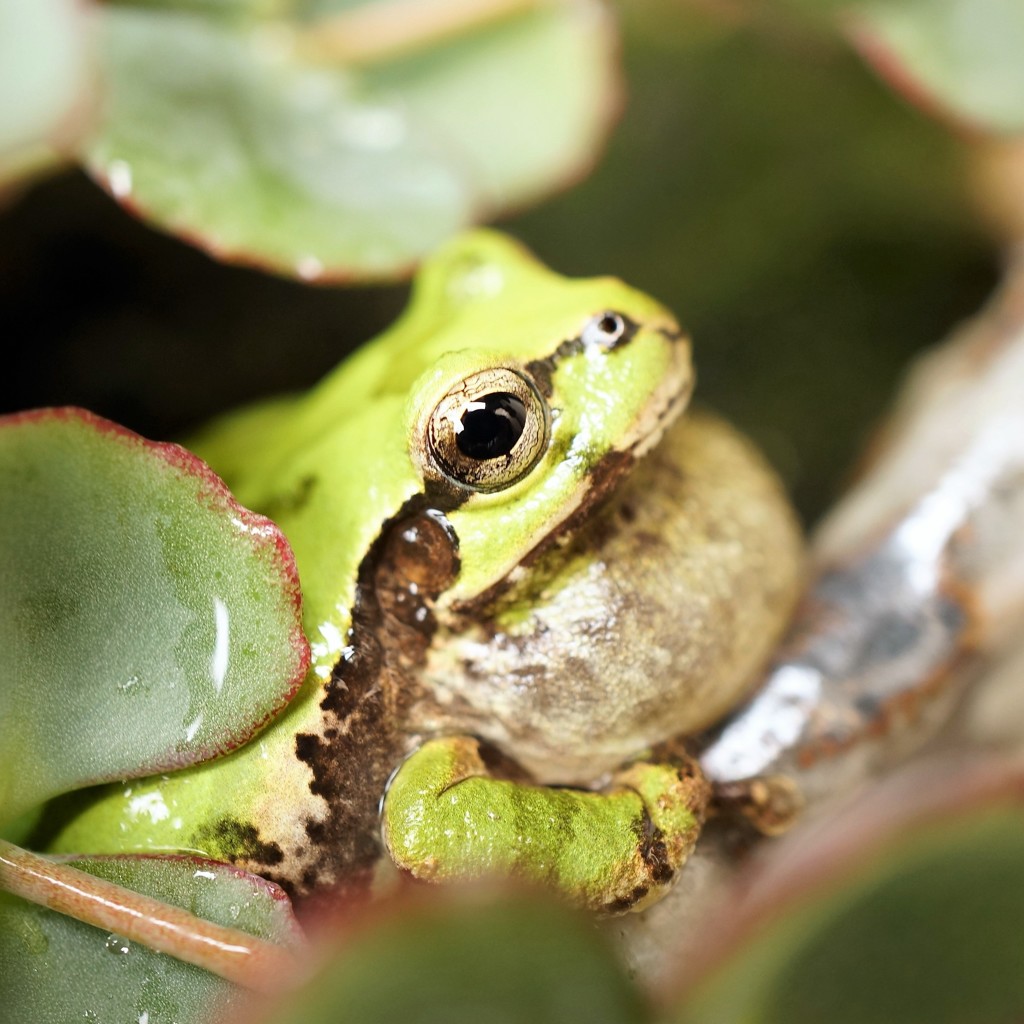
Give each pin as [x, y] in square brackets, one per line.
[387, 29]
[227, 952]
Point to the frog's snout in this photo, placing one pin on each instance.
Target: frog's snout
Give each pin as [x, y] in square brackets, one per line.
[671, 391]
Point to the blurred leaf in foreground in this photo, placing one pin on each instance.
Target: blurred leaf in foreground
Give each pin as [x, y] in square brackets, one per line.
[963, 58]
[149, 621]
[453, 958]
[907, 909]
[282, 144]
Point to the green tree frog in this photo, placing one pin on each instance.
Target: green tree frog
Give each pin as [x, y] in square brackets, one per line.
[522, 572]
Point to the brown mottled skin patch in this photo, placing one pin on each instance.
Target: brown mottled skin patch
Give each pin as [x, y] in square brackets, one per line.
[624, 903]
[372, 690]
[587, 671]
[240, 841]
[413, 560]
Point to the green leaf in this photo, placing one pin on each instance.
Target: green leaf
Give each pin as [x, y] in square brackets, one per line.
[524, 105]
[914, 917]
[244, 142]
[56, 969]
[961, 57]
[44, 80]
[148, 621]
[457, 960]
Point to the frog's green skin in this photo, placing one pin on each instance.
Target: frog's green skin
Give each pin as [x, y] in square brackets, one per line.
[439, 823]
[400, 562]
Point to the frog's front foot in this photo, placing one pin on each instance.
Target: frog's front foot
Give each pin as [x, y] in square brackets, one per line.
[446, 818]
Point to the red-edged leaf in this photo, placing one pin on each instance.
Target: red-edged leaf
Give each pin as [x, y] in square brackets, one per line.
[960, 59]
[148, 622]
[258, 143]
[46, 79]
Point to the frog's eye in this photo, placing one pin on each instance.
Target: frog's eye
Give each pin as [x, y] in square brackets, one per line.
[489, 430]
[608, 329]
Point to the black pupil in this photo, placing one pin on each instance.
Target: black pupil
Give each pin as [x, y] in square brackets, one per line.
[491, 426]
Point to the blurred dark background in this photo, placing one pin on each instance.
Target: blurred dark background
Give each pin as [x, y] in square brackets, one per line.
[810, 229]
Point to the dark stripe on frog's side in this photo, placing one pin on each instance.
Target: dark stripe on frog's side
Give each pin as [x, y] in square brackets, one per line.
[368, 693]
[366, 698]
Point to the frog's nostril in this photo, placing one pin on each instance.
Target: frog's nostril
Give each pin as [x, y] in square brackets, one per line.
[608, 330]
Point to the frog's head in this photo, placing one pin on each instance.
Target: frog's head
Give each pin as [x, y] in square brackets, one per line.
[541, 392]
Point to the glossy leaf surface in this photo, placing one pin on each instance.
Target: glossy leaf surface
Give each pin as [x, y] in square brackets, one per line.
[149, 621]
[253, 141]
[959, 57]
[56, 969]
[455, 961]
